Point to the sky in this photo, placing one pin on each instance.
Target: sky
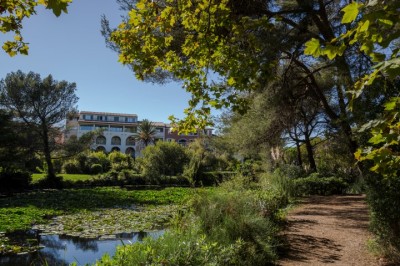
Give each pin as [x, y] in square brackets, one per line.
[71, 48]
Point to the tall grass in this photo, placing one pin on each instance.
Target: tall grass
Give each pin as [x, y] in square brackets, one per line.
[223, 227]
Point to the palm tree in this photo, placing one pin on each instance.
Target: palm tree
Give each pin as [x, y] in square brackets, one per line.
[146, 132]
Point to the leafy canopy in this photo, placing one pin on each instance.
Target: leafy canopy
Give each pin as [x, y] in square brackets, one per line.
[374, 29]
[199, 43]
[12, 14]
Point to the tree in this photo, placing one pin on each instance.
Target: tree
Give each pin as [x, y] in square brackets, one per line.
[146, 132]
[223, 51]
[373, 29]
[14, 145]
[163, 159]
[12, 14]
[41, 105]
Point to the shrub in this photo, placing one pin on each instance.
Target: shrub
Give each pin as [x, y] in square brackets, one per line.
[225, 228]
[383, 196]
[279, 182]
[290, 170]
[14, 179]
[316, 185]
[72, 167]
[96, 169]
[177, 247]
[247, 215]
[129, 177]
[163, 159]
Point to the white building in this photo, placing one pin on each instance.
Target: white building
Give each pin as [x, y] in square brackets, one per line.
[119, 129]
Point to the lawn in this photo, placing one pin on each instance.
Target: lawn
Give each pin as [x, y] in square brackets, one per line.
[66, 177]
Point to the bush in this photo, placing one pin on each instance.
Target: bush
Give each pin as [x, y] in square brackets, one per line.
[225, 228]
[383, 196]
[129, 177]
[176, 247]
[163, 159]
[72, 167]
[96, 169]
[14, 179]
[247, 215]
[316, 185]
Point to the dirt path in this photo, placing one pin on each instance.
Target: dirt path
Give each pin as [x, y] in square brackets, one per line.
[328, 230]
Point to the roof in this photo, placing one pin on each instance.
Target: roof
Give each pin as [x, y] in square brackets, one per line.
[105, 113]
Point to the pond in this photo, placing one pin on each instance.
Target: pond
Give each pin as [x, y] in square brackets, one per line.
[63, 250]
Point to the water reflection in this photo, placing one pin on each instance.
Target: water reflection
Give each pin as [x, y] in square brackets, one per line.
[63, 250]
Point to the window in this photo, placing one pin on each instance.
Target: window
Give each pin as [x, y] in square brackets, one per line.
[160, 129]
[101, 140]
[87, 117]
[116, 118]
[116, 140]
[130, 151]
[116, 129]
[130, 141]
[86, 127]
[130, 129]
[130, 119]
[101, 148]
[115, 149]
[105, 128]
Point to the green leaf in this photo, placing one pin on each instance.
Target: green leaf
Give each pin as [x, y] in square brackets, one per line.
[351, 12]
[391, 105]
[313, 47]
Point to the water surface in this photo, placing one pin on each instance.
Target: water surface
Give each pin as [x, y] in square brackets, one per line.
[63, 250]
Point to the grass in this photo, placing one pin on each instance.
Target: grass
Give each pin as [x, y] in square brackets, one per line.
[67, 177]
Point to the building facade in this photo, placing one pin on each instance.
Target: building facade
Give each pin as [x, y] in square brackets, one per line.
[118, 131]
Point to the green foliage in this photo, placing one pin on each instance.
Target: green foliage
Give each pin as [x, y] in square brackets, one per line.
[12, 15]
[14, 180]
[317, 185]
[225, 228]
[377, 28]
[96, 169]
[280, 182]
[40, 104]
[176, 247]
[145, 132]
[36, 207]
[383, 197]
[72, 167]
[383, 150]
[246, 215]
[119, 161]
[203, 161]
[163, 159]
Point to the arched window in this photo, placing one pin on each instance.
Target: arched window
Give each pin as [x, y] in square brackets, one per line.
[116, 140]
[115, 149]
[101, 148]
[130, 141]
[130, 151]
[182, 142]
[101, 140]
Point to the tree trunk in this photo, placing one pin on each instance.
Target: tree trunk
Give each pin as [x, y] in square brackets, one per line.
[310, 153]
[299, 159]
[47, 153]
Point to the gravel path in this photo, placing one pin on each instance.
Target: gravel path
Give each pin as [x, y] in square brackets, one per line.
[330, 230]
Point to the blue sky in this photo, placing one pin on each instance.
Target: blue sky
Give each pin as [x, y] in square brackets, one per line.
[71, 48]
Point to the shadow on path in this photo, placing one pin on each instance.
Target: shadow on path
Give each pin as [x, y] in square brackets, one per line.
[327, 230]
